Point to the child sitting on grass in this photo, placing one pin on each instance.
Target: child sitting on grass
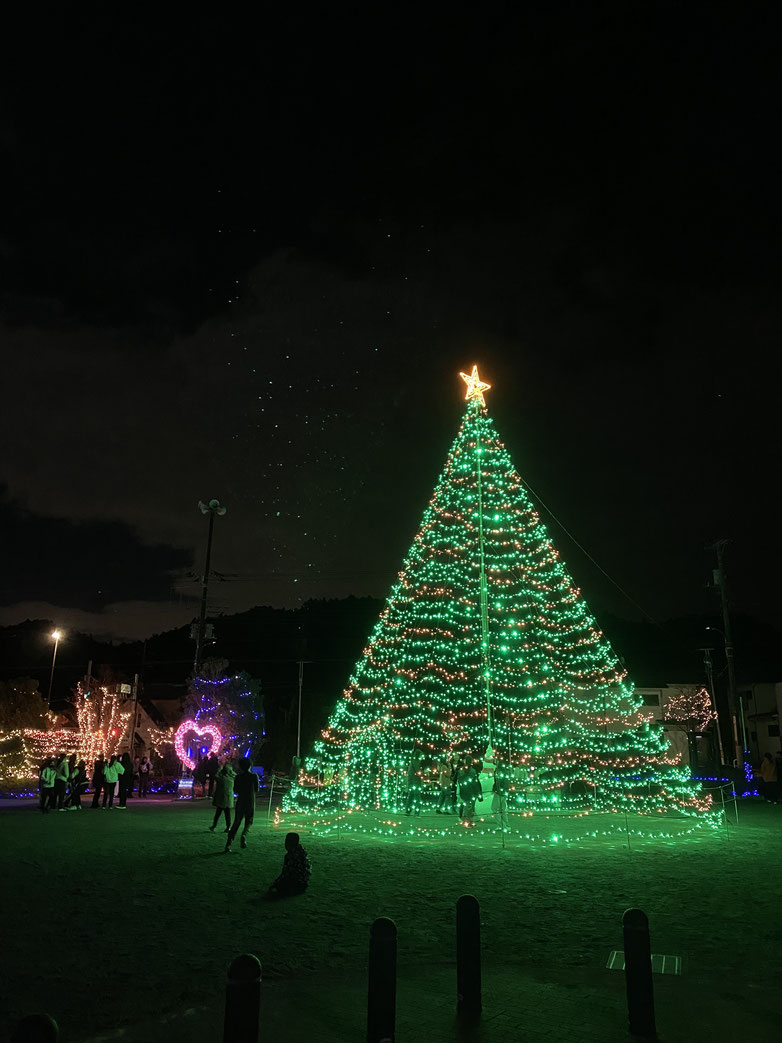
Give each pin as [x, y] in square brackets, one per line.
[295, 873]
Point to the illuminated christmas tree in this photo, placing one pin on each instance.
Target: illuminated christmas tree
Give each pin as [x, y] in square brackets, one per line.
[486, 650]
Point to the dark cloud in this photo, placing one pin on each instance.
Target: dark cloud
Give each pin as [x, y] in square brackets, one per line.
[250, 265]
[84, 565]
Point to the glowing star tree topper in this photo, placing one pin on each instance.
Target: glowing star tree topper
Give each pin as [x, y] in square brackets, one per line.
[475, 387]
[486, 642]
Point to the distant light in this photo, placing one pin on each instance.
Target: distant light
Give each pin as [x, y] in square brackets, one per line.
[56, 634]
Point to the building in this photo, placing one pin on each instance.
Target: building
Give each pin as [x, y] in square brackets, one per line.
[761, 704]
[656, 700]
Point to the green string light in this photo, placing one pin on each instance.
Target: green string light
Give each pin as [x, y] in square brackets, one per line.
[486, 650]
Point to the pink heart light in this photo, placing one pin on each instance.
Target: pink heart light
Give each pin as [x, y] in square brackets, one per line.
[193, 726]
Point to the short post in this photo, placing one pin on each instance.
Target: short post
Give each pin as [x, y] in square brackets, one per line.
[271, 794]
[725, 811]
[381, 1001]
[638, 974]
[36, 1028]
[468, 957]
[243, 1000]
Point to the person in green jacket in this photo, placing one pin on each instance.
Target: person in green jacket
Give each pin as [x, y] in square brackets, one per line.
[47, 785]
[111, 773]
[62, 774]
[78, 786]
[223, 797]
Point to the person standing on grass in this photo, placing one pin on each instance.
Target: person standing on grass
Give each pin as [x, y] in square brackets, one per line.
[246, 790]
[199, 776]
[46, 785]
[768, 772]
[212, 768]
[78, 786]
[295, 875]
[111, 773]
[500, 789]
[61, 778]
[71, 777]
[125, 780]
[223, 799]
[444, 785]
[469, 792]
[144, 769]
[455, 762]
[97, 780]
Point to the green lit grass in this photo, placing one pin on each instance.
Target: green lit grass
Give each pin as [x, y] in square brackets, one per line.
[116, 919]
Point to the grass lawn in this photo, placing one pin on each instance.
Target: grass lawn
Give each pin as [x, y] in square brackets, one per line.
[122, 925]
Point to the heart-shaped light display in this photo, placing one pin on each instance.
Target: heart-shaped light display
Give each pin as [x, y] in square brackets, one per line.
[185, 728]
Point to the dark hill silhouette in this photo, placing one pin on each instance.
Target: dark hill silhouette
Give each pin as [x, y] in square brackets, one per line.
[328, 635]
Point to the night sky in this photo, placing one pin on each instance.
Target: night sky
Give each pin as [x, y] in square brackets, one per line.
[247, 258]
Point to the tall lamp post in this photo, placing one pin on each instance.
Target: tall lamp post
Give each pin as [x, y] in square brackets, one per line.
[212, 508]
[56, 634]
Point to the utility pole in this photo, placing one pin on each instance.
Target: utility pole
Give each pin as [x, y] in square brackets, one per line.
[709, 668]
[721, 582]
[298, 726]
[133, 716]
[212, 508]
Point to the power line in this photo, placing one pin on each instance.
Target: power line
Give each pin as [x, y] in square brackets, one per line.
[597, 565]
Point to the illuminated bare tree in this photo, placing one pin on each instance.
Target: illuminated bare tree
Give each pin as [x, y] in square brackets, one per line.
[691, 710]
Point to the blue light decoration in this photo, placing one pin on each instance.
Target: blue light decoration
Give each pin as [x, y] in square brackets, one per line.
[231, 703]
[749, 777]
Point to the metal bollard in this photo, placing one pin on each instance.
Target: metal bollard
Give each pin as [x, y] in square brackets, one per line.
[468, 956]
[243, 1000]
[381, 1000]
[36, 1028]
[638, 974]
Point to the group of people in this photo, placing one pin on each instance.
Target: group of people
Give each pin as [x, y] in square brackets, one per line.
[63, 781]
[234, 790]
[205, 774]
[460, 787]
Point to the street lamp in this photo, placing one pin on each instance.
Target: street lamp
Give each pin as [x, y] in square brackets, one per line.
[56, 634]
[212, 508]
